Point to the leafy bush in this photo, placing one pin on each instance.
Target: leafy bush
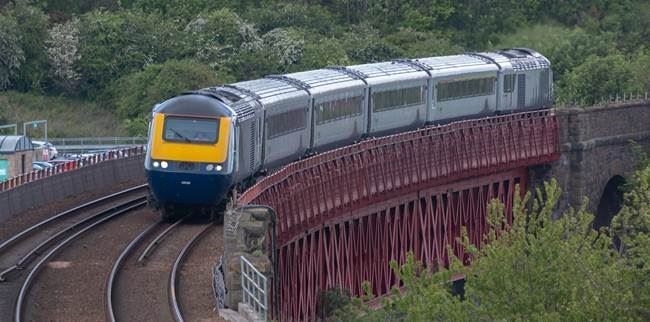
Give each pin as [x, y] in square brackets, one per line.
[598, 79]
[135, 95]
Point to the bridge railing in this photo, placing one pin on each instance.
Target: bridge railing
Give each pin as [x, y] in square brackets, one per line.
[68, 166]
[322, 188]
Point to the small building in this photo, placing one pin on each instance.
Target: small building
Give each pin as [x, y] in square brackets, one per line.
[16, 156]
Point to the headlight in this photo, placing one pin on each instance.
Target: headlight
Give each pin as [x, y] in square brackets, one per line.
[156, 164]
[219, 167]
[209, 167]
[164, 164]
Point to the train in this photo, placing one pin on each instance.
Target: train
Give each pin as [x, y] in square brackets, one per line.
[205, 144]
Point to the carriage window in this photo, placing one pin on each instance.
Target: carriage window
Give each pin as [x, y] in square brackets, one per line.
[465, 88]
[286, 122]
[399, 98]
[509, 83]
[338, 110]
[191, 130]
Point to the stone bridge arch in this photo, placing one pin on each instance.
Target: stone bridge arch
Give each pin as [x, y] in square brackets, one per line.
[610, 202]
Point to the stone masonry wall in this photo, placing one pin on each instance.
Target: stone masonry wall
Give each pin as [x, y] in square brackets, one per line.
[246, 232]
[596, 146]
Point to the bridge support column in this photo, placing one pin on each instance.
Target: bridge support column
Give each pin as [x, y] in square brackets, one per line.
[247, 231]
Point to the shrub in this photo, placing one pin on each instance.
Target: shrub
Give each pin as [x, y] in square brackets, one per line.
[134, 95]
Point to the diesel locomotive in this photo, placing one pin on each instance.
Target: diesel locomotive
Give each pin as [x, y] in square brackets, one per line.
[204, 143]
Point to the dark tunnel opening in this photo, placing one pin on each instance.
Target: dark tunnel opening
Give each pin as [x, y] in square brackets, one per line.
[610, 202]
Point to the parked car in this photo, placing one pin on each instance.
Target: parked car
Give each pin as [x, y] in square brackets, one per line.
[43, 164]
[49, 150]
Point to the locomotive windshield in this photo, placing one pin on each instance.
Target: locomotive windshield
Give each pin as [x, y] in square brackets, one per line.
[191, 130]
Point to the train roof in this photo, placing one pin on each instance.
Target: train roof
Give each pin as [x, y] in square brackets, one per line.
[328, 79]
[398, 70]
[241, 96]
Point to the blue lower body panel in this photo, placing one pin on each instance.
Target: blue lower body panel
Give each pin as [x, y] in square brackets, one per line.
[188, 188]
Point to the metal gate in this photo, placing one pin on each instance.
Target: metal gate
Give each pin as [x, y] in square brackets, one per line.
[254, 288]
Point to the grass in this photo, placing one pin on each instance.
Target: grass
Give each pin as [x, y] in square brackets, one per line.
[66, 117]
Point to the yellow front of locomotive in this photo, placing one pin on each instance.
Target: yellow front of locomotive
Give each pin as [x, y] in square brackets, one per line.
[190, 156]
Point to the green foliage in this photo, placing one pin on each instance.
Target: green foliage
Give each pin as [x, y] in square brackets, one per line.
[322, 52]
[135, 95]
[597, 79]
[11, 55]
[111, 45]
[291, 15]
[410, 43]
[364, 44]
[632, 227]
[538, 269]
[31, 25]
[45, 49]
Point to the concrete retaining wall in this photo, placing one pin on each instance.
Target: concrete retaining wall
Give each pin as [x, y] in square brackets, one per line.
[94, 177]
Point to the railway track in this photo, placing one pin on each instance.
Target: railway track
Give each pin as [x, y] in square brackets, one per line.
[144, 276]
[31, 249]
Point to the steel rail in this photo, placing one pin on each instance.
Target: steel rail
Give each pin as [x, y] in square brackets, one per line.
[157, 240]
[25, 232]
[30, 278]
[110, 311]
[173, 276]
[36, 250]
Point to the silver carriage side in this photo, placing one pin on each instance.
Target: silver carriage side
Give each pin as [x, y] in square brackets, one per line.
[338, 103]
[398, 95]
[463, 86]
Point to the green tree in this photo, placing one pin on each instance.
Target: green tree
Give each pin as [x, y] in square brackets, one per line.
[31, 24]
[112, 45]
[135, 95]
[11, 54]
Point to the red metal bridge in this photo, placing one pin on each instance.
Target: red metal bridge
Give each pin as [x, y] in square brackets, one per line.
[342, 216]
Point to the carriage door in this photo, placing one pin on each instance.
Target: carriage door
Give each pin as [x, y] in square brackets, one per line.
[521, 90]
[508, 103]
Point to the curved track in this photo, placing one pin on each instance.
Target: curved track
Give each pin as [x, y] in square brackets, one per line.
[135, 289]
[30, 249]
[18, 309]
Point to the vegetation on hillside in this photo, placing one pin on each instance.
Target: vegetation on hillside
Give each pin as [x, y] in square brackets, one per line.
[538, 269]
[89, 50]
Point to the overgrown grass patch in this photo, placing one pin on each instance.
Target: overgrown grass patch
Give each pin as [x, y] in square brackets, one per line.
[66, 117]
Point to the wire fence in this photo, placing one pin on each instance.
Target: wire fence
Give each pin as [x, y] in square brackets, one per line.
[617, 98]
